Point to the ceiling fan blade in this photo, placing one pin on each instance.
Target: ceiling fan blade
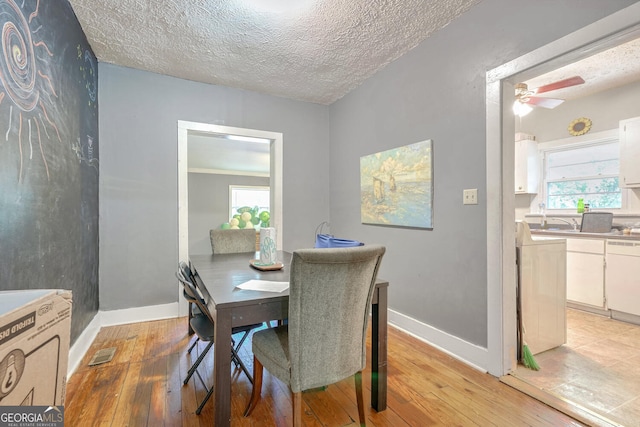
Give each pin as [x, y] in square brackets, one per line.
[544, 102]
[571, 81]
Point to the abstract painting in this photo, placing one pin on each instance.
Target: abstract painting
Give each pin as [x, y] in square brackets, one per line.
[396, 186]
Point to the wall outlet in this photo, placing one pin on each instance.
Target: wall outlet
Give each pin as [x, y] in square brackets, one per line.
[470, 196]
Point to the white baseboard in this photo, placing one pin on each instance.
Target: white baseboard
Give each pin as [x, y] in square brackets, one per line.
[111, 318]
[82, 344]
[473, 355]
[470, 354]
[138, 314]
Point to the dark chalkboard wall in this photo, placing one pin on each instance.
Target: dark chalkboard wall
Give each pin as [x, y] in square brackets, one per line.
[48, 154]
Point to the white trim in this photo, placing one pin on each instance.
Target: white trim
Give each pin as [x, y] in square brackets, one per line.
[593, 138]
[138, 314]
[615, 29]
[471, 354]
[82, 344]
[112, 318]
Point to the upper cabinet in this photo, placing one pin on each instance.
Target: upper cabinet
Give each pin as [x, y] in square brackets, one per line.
[527, 165]
[630, 153]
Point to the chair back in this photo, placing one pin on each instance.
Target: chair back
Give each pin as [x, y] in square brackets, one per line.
[192, 292]
[186, 271]
[232, 241]
[330, 293]
[196, 280]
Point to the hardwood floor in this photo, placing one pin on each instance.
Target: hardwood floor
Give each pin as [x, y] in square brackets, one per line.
[142, 386]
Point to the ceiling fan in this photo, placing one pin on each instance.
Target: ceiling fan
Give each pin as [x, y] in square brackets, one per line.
[525, 98]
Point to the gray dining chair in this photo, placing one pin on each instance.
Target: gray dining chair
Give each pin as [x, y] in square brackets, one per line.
[232, 241]
[330, 292]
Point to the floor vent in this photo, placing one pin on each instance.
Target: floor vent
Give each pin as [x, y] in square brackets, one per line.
[102, 356]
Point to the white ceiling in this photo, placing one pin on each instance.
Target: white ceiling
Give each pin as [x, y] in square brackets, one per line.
[309, 50]
[217, 154]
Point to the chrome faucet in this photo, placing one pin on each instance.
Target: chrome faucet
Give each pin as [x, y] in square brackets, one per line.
[572, 223]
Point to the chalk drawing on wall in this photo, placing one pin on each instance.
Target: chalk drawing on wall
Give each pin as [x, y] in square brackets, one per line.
[84, 152]
[24, 81]
[89, 74]
[84, 147]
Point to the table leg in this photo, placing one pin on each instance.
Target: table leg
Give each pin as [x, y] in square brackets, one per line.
[222, 369]
[379, 351]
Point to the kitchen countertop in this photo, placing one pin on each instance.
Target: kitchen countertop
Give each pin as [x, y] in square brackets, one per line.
[617, 235]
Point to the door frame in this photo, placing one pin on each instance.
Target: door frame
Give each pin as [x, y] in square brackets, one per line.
[275, 182]
[610, 31]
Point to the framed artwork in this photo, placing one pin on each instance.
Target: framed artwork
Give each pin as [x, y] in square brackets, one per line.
[396, 186]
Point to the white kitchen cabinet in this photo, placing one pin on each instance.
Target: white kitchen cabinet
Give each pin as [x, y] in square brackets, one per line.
[526, 167]
[586, 271]
[623, 276]
[630, 153]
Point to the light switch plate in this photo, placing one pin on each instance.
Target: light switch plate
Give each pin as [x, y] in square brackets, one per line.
[470, 196]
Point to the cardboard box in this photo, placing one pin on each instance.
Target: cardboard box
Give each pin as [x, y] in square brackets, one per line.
[35, 328]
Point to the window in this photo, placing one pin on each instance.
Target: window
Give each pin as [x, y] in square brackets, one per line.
[255, 197]
[588, 171]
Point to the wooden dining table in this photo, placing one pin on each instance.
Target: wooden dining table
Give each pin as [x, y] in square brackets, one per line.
[231, 307]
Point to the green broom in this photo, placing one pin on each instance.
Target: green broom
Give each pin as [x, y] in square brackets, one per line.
[526, 355]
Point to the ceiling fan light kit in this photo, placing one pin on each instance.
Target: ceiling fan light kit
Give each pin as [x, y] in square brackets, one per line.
[521, 109]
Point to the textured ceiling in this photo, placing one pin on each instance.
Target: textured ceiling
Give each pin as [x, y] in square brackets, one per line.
[606, 70]
[309, 50]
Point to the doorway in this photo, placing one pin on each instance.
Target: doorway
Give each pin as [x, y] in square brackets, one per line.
[187, 129]
[500, 96]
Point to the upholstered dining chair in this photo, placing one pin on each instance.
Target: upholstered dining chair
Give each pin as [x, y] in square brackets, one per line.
[324, 342]
[232, 241]
[202, 324]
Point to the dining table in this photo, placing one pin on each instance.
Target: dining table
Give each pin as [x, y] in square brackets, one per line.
[230, 306]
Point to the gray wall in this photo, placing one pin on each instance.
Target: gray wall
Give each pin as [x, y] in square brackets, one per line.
[437, 91]
[139, 112]
[209, 205]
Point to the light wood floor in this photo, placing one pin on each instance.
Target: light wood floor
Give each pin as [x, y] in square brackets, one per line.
[598, 367]
[142, 386]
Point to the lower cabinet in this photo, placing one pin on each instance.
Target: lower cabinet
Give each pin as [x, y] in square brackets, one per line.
[586, 271]
[623, 276]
